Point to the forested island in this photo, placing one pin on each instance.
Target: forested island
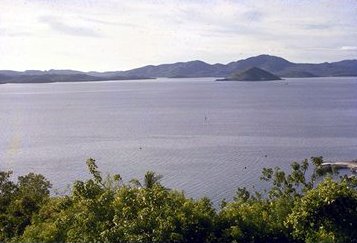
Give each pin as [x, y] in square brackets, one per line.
[309, 204]
[251, 74]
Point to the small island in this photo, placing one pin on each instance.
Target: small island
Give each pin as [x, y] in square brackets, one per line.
[252, 74]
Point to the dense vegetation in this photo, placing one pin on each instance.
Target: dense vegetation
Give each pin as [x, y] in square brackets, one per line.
[307, 205]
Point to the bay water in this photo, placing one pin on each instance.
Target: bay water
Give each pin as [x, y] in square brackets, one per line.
[205, 137]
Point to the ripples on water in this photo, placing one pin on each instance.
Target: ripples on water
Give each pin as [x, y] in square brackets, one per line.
[206, 138]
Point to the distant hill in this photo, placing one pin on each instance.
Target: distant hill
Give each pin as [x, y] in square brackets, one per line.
[4, 77]
[179, 69]
[276, 65]
[251, 74]
[58, 76]
[48, 78]
[298, 74]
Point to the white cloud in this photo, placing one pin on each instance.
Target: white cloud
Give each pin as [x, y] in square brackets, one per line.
[64, 34]
[349, 48]
[59, 25]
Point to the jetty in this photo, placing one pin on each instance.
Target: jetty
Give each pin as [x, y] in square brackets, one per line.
[352, 165]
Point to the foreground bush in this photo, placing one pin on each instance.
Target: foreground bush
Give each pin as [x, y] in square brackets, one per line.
[296, 208]
[19, 202]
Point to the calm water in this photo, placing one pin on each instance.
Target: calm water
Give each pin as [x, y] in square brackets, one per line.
[205, 137]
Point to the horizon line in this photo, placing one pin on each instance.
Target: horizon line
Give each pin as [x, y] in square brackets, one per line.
[155, 65]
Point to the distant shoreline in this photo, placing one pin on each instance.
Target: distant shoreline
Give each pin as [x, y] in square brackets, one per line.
[134, 79]
[66, 79]
[193, 69]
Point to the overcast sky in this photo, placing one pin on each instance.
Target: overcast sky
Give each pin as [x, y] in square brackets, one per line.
[119, 35]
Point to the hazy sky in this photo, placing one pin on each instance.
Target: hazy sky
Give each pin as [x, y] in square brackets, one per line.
[118, 35]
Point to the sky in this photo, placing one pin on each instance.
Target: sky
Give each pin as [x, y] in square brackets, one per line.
[123, 34]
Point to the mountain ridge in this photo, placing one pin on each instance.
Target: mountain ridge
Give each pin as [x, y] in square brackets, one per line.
[277, 65]
[191, 69]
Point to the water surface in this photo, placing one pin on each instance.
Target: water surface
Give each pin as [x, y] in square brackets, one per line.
[206, 138]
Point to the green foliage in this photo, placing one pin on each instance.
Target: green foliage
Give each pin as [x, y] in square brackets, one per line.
[19, 202]
[7, 190]
[97, 211]
[150, 179]
[251, 217]
[157, 215]
[305, 205]
[327, 213]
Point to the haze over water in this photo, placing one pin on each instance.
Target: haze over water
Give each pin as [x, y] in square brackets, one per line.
[206, 138]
